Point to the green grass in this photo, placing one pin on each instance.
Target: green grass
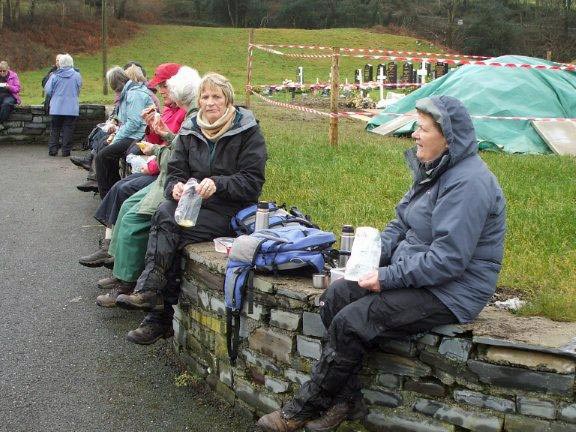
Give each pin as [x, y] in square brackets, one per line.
[361, 181]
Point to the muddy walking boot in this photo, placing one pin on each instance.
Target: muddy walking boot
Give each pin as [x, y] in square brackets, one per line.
[107, 283]
[83, 162]
[100, 257]
[156, 325]
[336, 414]
[276, 421]
[109, 300]
[143, 300]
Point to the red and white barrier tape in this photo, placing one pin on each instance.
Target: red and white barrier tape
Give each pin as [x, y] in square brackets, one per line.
[318, 86]
[486, 117]
[371, 50]
[295, 107]
[457, 62]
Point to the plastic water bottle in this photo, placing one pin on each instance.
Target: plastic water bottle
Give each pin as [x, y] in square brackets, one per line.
[189, 205]
[136, 162]
[262, 216]
[346, 242]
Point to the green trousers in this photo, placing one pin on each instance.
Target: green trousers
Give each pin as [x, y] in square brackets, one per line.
[130, 239]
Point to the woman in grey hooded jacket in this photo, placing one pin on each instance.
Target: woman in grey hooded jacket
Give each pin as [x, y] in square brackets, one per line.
[439, 264]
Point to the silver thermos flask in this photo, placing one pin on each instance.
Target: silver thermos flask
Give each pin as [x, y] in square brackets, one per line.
[262, 216]
[346, 240]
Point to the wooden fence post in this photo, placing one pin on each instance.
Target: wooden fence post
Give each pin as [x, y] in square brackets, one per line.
[334, 91]
[249, 68]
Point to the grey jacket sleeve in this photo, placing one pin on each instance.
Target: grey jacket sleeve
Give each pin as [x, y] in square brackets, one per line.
[458, 219]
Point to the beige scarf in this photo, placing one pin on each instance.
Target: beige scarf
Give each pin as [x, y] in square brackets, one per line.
[215, 130]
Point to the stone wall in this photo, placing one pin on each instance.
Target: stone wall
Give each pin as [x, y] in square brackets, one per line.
[31, 125]
[492, 375]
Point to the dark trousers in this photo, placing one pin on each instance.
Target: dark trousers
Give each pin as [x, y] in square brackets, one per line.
[356, 320]
[62, 126]
[162, 262]
[107, 168]
[6, 106]
[108, 210]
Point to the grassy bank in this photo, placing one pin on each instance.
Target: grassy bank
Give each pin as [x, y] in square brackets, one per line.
[362, 180]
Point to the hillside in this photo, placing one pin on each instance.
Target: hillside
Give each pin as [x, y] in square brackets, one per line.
[224, 50]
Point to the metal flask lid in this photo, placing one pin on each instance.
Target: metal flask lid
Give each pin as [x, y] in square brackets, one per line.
[347, 229]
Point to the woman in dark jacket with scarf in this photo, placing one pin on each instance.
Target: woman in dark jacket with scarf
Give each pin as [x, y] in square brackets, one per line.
[439, 264]
[222, 147]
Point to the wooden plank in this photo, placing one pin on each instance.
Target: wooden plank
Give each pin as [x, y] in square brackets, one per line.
[559, 136]
[389, 127]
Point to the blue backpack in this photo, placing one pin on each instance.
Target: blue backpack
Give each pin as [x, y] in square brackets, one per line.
[245, 219]
[271, 250]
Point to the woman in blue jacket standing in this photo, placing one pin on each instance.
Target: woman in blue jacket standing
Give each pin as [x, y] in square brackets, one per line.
[439, 264]
[63, 88]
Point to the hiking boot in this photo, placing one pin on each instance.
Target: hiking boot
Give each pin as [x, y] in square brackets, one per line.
[144, 300]
[336, 415]
[98, 258]
[82, 162]
[109, 300]
[276, 422]
[149, 332]
[107, 283]
[88, 186]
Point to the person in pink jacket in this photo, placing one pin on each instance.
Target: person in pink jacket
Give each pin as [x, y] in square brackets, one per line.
[9, 91]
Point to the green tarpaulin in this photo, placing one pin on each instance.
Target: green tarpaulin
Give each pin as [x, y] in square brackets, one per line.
[500, 92]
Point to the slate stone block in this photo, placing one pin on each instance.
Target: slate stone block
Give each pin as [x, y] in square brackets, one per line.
[380, 422]
[276, 385]
[296, 376]
[260, 361]
[459, 417]
[405, 348]
[284, 320]
[516, 423]
[451, 367]
[272, 344]
[568, 413]
[484, 401]
[309, 347]
[388, 381]
[429, 387]
[382, 397]
[536, 407]
[312, 325]
[455, 348]
[393, 364]
[523, 379]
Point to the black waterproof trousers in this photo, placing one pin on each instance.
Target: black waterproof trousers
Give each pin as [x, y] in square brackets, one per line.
[163, 254]
[107, 164]
[356, 319]
[62, 127]
[107, 211]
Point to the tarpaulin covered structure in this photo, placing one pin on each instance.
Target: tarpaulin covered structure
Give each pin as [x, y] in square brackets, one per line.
[500, 92]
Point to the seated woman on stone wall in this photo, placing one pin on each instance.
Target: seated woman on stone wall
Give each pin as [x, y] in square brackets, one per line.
[222, 147]
[134, 98]
[440, 261]
[160, 129]
[9, 91]
[130, 236]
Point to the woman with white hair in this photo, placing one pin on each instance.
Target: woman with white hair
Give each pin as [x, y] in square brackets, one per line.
[130, 236]
[63, 88]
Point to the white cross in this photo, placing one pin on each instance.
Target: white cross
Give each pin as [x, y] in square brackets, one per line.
[381, 77]
[422, 72]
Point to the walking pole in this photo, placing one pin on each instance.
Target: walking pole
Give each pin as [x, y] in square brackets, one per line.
[249, 68]
[334, 90]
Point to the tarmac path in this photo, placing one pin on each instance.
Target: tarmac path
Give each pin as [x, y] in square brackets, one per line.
[64, 362]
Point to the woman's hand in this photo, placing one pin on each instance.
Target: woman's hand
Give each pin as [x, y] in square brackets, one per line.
[148, 114]
[177, 191]
[146, 148]
[370, 281]
[206, 188]
[110, 138]
[145, 170]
